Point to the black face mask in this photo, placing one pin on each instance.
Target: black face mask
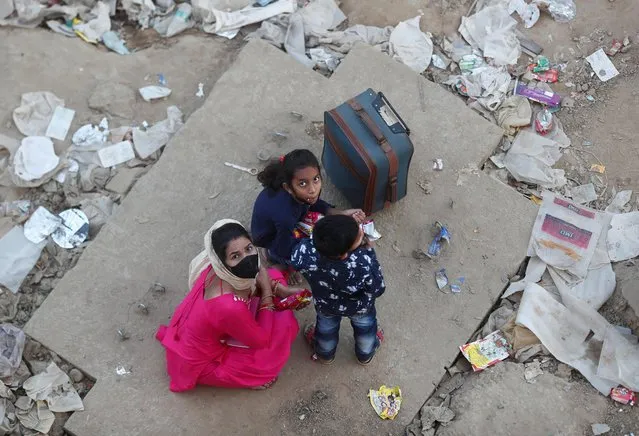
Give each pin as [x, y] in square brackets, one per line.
[247, 268]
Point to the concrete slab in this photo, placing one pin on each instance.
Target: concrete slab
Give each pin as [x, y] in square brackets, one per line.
[159, 228]
[499, 401]
[124, 179]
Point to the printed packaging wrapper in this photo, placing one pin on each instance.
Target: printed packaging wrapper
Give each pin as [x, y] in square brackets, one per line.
[623, 395]
[486, 352]
[386, 401]
[369, 230]
[304, 228]
[295, 302]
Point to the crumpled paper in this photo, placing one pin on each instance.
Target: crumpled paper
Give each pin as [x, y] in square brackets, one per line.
[34, 114]
[34, 414]
[152, 139]
[54, 387]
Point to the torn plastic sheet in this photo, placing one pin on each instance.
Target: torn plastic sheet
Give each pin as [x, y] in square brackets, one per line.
[594, 290]
[18, 256]
[294, 43]
[409, 45]
[562, 11]
[6, 8]
[233, 21]
[54, 387]
[492, 30]
[574, 332]
[12, 341]
[487, 84]
[31, 13]
[40, 225]
[149, 141]
[35, 112]
[530, 159]
[534, 271]
[583, 194]
[92, 30]
[620, 199]
[565, 235]
[139, 11]
[321, 15]
[269, 32]
[344, 41]
[113, 42]
[623, 236]
[528, 12]
[325, 59]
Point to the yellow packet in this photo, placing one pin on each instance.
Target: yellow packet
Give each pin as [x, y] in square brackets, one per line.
[598, 168]
[386, 401]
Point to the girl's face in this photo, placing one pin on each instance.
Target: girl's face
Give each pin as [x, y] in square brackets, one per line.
[306, 185]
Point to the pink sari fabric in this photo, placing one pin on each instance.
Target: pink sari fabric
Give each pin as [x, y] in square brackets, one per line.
[196, 354]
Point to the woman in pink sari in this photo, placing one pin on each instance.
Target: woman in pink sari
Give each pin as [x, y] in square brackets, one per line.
[214, 337]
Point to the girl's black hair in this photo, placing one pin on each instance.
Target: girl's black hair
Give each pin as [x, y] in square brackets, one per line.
[282, 170]
[222, 237]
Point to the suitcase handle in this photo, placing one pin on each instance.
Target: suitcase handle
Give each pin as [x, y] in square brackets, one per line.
[387, 103]
[374, 129]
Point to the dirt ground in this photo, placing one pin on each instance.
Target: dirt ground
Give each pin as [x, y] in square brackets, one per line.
[34, 60]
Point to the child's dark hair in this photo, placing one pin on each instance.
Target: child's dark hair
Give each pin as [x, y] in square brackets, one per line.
[222, 237]
[282, 170]
[334, 235]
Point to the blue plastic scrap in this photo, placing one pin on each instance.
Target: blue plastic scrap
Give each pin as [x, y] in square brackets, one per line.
[435, 247]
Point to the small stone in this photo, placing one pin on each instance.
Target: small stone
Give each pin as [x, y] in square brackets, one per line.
[598, 429]
[100, 176]
[609, 33]
[76, 375]
[124, 179]
[80, 387]
[563, 371]
[51, 186]
[584, 87]
[113, 98]
[302, 417]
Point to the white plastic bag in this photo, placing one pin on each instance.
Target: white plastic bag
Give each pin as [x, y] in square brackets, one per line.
[321, 15]
[409, 45]
[492, 31]
[623, 236]
[11, 346]
[530, 159]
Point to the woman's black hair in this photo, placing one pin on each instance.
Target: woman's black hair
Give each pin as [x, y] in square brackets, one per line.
[222, 237]
[282, 170]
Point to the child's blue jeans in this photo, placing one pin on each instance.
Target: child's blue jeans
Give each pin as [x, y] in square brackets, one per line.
[364, 329]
